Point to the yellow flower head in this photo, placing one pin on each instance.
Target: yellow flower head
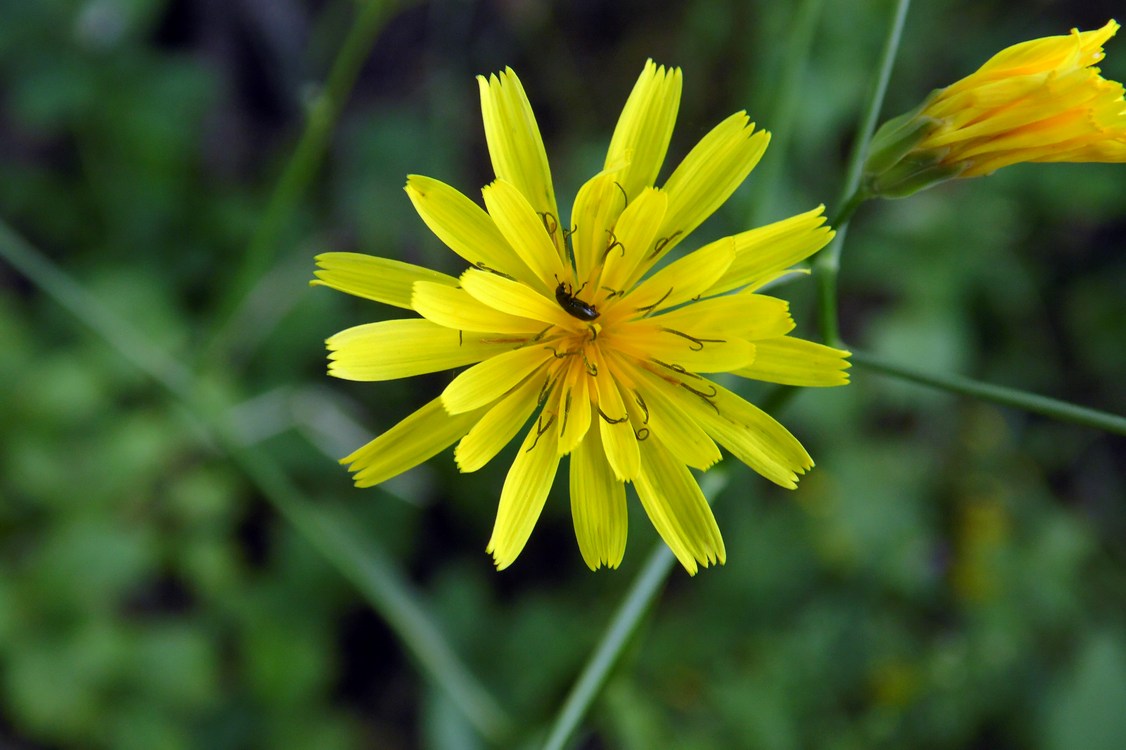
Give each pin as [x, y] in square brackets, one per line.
[1038, 101]
[573, 328]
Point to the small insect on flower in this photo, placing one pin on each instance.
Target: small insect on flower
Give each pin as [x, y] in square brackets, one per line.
[565, 295]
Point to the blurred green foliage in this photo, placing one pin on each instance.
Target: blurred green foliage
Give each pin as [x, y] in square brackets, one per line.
[950, 575]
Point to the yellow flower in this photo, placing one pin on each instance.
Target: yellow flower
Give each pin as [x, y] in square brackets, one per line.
[1038, 101]
[575, 328]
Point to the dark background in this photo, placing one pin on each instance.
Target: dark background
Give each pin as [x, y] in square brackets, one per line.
[951, 575]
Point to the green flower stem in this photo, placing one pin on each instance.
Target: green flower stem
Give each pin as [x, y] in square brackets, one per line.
[827, 263]
[323, 113]
[848, 207]
[1030, 402]
[626, 620]
[360, 562]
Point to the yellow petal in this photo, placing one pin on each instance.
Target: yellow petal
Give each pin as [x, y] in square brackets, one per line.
[762, 253]
[513, 298]
[709, 175]
[1079, 49]
[614, 424]
[573, 406]
[652, 342]
[751, 435]
[628, 257]
[380, 279]
[525, 231]
[793, 361]
[645, 127]
[673, 426]
[456, 308]
[522, 498]
[497, 427]
[767, 282]
[678, 509]
[684, 279]
[393, 349]
[419, 437]
[599, 203]
[515, 145]
[743, 315]
[486, 382]
[598, 505]
[464, 227]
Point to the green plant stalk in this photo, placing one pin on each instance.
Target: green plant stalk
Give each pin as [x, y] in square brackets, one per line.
[361, 563]
[624, 624]
[1029, 402]
[626, 620]
[827, 263]
[323, 114]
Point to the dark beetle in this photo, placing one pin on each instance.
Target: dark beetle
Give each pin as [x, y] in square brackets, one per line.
[574, 306]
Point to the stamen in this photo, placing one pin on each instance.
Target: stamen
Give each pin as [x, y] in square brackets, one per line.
[551, 225]
[650, 309]
[644, 408]
[678, 369]
[625, 197]
[566, 413]
[540, 430]
[613, 243]
[564, 355]
[608, 420]
[545, 390]
[706, 397]
[697, 344]
[662, 243]
[481, 265]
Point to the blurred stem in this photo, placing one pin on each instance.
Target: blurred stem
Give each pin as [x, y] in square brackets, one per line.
[637, 603]
[362, 563]
[780, 114]
[827, 263]
[121, 336]
[323, 112]
[1030, 402]
[367, 567]
[844, 214]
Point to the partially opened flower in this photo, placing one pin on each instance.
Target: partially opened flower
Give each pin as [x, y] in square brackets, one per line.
[1038, 101]
[579, 332]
